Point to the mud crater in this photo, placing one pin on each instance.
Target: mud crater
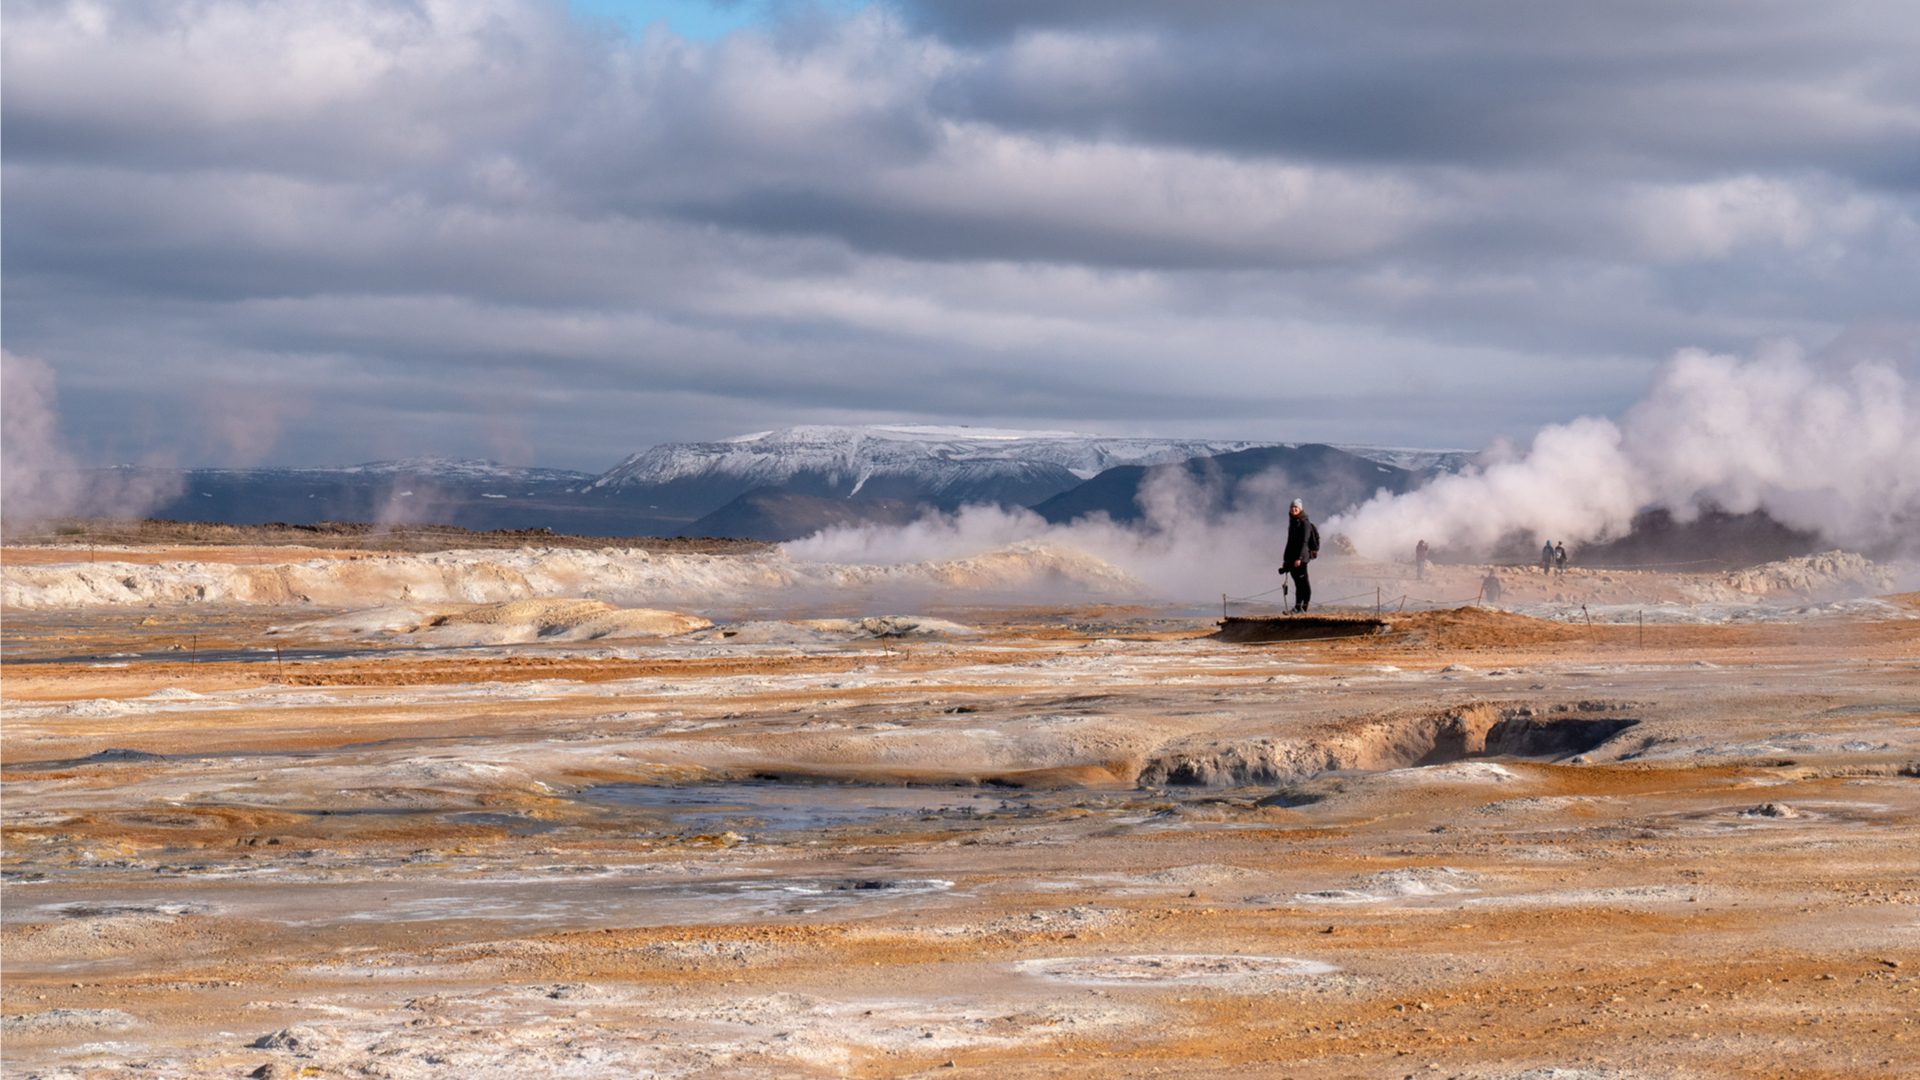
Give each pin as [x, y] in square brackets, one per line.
[1478, 730]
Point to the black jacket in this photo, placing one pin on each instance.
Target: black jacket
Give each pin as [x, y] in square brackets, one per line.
[1303, 541]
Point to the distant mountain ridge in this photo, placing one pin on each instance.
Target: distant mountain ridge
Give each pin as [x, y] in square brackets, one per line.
[792, 480]
[460, 470]
[1326, 479]
[466, 469]
[1412, 459]
[773, 514]
[472, 493]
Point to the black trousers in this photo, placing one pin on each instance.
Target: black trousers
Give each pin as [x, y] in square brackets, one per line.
[1302, 590]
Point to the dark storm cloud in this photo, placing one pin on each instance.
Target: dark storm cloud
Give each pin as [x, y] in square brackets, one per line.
[1646, 87]
[445, 227]
[966, 233]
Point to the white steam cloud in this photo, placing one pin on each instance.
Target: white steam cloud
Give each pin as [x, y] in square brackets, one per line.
[1833, 450]
[1189, 545]
[39, 479]
[33, 467]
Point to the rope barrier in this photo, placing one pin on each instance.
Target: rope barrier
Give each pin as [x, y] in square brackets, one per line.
[1381, 604]
[1651, 565]
[1529, 567]
[1349, 596]
[1399, 603]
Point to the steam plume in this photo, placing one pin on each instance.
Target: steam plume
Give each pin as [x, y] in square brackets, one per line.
[1188, 546]
[34, 470]
[39, 479]
[1823, 447]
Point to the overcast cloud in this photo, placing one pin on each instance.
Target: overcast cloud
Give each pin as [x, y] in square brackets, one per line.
[324, 231]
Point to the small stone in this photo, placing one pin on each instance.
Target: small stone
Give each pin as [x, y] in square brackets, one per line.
[1895, 964]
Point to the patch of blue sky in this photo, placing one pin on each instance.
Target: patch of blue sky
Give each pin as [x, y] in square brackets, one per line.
[702, 20]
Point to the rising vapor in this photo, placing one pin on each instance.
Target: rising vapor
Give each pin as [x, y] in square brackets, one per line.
[39, 478]
[1822, 446]
[1189, 544]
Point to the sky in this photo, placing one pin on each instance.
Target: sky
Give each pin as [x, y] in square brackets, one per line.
[328, 231]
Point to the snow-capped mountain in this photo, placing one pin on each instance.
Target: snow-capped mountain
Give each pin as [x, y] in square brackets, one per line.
[946, 465]
[1412, 459]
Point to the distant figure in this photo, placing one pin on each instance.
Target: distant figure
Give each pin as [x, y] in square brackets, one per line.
[1490, 588]
[1303, 546]
[1559, 557]
[1546, 558]
[1420, 561]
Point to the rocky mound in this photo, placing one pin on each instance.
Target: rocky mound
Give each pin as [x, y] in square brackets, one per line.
[1822, 576]
[519, 621]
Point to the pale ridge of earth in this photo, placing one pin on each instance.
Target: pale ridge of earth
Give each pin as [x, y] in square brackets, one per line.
[1029, 571]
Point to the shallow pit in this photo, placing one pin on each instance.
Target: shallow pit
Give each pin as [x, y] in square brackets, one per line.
[1206, 969]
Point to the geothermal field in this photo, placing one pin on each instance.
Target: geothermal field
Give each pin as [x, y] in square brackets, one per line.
[589, 811]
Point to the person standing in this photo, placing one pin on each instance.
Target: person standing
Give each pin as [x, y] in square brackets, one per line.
[1420, 551]
[1546, 558]
[1303, 546]
[1560, 557]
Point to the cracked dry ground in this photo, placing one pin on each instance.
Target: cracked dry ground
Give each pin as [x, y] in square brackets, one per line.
[1473, 846]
